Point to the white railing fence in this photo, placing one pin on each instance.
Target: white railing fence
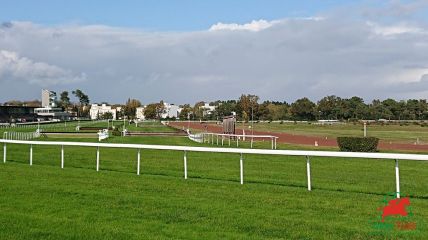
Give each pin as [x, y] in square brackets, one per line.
[221, 138]
[240, 151]
[197, 137]
[21, 135]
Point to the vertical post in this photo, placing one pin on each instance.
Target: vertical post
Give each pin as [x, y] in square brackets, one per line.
[185, 164]
[272, 143]
[275, 143]
[62, 156]
[31, 154]
[138, 161]
[222, 140]
[237, 141]
[4, 153]
[365, 129]
[397, 179]
[98, 159]
[241, 164]
[217, 139]
[229, 140]
[308, 171]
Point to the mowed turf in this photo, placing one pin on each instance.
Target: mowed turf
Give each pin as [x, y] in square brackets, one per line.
[44, 201]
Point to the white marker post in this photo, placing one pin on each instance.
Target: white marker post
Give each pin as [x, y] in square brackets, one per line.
[4, 153]
[241, 164]
[365, 129]
[397, 178]
[138, 161]
[62, 156]
[98, 159]
[185, 164]
[31, 155]
[308, 171]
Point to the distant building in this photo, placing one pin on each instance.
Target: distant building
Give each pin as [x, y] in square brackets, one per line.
[97, 111]
[170, 111]
[207, 109]
[49, 98]
[139, 113]
[49, 109]
[11, 114]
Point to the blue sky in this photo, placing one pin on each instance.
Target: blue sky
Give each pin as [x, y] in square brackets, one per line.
[187, 51]
[160, 15]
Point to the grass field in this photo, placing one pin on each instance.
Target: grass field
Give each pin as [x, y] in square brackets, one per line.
[45, 202]
[389, 133]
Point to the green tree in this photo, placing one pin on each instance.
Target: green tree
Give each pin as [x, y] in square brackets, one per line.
[130, 108]
[64, 100]
[248, 106]
[303, 109]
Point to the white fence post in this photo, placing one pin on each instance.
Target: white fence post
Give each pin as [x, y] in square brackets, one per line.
[138, 161]
[62, 156]
[308, 171]
[185, 164]
[98, 159]
[4, 153]
[397, 178]
[237, 141]
[275, 143]
[241, 164]
[31, 154]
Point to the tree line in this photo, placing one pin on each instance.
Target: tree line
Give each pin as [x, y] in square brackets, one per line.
[332, 107]
[248, 107]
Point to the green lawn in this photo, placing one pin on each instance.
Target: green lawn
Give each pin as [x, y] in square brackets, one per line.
[45, 202]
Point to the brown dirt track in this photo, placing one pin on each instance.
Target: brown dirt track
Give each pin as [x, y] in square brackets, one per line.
[299, 139]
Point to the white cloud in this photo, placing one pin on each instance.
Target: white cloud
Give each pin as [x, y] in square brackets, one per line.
[255, 25]
[293, 58]
[395, 29]
[16, 68]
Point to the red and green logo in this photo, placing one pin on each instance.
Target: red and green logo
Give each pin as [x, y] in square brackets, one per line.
[395, 214]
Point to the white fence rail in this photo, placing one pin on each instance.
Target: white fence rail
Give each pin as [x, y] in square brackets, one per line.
[240, 151]
[219, 138]
[197, 137]
[21, 135]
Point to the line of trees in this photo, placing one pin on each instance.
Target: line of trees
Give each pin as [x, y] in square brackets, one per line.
[332, 107]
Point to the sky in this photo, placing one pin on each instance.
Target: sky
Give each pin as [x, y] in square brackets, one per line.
[187, 51]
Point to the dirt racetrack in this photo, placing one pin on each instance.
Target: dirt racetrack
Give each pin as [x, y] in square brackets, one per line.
[298, 139]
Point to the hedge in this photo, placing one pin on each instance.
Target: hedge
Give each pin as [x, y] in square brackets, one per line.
[357, 144]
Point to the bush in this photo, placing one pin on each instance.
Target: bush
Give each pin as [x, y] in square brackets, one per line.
[357, 144]
[116, 132]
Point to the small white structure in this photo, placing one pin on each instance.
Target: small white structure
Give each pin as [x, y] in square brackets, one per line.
[96, 111]
[103, 134]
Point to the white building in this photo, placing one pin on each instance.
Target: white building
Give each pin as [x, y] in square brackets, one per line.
[139, 113]
[170, 111]
[97, 111]
[49, 110]
[207, 109]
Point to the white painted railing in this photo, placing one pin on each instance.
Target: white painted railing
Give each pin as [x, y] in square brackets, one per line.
[221, 137]
[241, 151]
[197, 137]
[21, 135]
